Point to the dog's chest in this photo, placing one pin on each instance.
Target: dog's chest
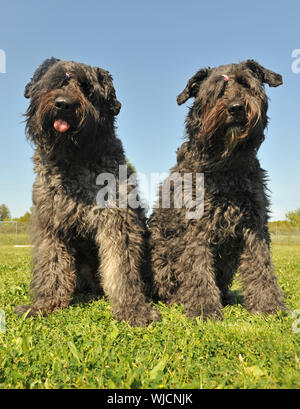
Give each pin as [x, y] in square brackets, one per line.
[66, 194]
[75, 184]
[82, 184]
[232, 202]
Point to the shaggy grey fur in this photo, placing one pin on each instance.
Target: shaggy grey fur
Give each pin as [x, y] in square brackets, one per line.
[194, 261]
[70, 120]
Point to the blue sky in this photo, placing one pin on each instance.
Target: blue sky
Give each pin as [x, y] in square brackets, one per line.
[151, 48]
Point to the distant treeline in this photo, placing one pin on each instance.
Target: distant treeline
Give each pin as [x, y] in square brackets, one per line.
[5, 215]
[292, 224]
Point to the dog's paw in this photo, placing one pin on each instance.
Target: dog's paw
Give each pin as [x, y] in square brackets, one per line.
[138, 317]
[269, 310]
[205, 312]
[27, 310]
[265, 305]
[32, 310]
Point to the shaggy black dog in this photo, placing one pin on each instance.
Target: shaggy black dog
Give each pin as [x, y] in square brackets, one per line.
[70, 120]
[195, 259]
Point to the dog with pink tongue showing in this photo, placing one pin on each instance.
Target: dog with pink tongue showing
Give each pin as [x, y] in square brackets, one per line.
[78, 243]
[71, 105]
[60, 125]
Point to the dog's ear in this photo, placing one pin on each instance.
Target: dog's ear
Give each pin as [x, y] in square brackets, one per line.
[192, 87]
[106, 82]
[40, 71]
[266, 76]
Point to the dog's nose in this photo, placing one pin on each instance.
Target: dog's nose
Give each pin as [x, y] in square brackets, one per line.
[63, 103]
[236, 108]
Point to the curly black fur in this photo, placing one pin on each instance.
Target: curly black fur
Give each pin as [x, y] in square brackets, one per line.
[194, 261]
[70, 120]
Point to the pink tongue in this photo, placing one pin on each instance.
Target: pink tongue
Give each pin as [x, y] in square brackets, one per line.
[60, 125]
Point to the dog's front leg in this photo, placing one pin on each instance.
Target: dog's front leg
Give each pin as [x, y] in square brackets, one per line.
[198, 290]
[54, 277]
[262, 293]
[120, 241]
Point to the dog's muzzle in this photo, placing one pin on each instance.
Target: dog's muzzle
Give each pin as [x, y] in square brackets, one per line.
[64, 106]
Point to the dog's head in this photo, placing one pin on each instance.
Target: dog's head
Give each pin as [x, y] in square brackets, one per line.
[230, 104]
[69, 103]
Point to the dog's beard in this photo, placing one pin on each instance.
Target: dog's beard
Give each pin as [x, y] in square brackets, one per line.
[65, 133]
[238, 132]
[232, 137]
[65, 129]
[219, 128]
[72, 133]
[54, 122]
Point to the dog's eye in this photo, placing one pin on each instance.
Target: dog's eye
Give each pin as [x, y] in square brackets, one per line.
[86, 88]
[242, 81]
[62, 83]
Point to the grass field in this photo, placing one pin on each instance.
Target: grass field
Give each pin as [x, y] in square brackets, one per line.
[84, 347]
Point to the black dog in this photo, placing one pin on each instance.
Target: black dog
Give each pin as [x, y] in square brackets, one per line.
[70, 119]
[194, 260]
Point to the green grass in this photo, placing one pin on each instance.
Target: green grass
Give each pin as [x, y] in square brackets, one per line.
[14, 239]
[84, 347]
[287, 238]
